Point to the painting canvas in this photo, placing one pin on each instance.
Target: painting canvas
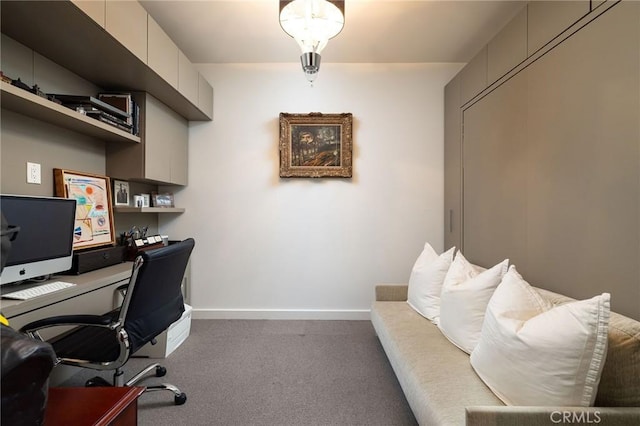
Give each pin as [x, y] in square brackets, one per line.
[94, 218]
[316, 145]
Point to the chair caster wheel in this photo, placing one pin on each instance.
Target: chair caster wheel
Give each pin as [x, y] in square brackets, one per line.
[180, 399]
[160, 371]
[96, 382]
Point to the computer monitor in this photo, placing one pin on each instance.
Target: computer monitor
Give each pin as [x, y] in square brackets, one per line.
[43, 243]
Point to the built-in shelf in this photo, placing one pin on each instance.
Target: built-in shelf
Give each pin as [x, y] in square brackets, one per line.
[70, 38]
[26, 103]
[128, 209]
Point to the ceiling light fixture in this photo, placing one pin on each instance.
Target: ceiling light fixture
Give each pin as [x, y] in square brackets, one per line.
[312, 23]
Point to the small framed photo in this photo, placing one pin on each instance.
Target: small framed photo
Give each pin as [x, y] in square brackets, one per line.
[316, 145]
[162, 200]
[146, 200]
[120, 192]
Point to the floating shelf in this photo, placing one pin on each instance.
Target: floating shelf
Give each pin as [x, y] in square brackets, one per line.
[128, 209]
[27, 103]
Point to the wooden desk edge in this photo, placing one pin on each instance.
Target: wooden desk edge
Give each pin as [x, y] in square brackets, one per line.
[65, 398]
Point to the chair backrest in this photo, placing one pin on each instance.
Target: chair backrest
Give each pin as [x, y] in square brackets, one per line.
[26, 364]
[154, 297]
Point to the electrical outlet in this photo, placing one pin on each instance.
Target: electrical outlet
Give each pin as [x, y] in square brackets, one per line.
[33, 173]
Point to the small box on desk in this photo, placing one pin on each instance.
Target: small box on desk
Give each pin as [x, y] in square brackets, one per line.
[170, 339]
[90, 260]
[143, 244]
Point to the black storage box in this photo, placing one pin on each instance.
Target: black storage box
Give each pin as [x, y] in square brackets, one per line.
[90, 260]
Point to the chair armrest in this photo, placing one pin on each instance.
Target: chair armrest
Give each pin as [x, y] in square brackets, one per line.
[391, 292]
[96, 320]
[548, 416]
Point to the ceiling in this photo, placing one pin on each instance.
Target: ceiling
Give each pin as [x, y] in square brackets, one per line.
[393, 31]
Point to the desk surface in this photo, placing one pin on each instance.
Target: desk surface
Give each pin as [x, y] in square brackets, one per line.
[84, 283]
[92, 406]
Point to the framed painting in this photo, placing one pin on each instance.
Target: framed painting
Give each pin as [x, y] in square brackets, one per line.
[316, 145]
[94, 216]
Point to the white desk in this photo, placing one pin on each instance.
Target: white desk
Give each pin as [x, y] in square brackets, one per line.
[94, 293]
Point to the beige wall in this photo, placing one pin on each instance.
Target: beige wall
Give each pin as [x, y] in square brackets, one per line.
[302, 248]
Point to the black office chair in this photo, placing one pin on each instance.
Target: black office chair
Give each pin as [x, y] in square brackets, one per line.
[152, 302]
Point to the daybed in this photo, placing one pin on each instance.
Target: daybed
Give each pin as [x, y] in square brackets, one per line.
[442, 388]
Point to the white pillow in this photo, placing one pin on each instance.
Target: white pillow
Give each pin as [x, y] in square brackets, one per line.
[532, 353]
[465, 294]
[425, 282]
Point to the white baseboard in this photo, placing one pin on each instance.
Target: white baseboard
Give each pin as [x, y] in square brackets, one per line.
[282, 314]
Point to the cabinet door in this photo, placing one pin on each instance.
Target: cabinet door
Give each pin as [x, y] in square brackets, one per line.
[95, 9]
[452, 165]
[179, 155]
[126, 21]
[163, 53]
[205, 96]
[473, 77]
[584, 173]
[508, 48]
[547, 19]
[495, 187]
[187, 78]
[166, 135]
[162, 155]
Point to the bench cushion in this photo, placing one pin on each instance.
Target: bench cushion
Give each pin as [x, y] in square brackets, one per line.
[436, 376]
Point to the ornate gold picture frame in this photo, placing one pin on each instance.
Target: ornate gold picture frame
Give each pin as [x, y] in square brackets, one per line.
[94, 215]
[316, 145]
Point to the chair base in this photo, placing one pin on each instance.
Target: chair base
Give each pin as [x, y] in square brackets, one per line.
[179, 397]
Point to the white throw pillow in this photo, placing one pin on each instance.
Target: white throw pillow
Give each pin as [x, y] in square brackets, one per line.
[465, 294]
[532, 353]
[425, 282]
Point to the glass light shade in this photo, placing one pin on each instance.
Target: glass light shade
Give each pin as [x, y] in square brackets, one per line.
[312, 22]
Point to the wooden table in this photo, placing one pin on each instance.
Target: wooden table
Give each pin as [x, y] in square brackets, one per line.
[94, 406]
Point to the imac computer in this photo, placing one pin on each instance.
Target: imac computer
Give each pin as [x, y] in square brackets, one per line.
[41, 229]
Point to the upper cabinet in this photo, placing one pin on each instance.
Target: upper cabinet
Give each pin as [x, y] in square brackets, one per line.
[162, 155]
[188, 79]
[205, 95]
[96, 10]
[108, 43]
[508, 48]
[473, 77]
[162, 53]
[547, 19]
[534, 29]
[126, 21]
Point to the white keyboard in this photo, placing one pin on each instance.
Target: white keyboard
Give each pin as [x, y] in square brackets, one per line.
[40, 290]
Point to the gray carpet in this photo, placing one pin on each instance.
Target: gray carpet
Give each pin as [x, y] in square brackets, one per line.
[248, 372]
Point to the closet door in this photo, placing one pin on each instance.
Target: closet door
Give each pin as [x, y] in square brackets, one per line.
[584, 165]
[452, 165]
[551, 175]
[495, 190]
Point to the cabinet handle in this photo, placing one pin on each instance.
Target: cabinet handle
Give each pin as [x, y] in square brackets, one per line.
[450, 220]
